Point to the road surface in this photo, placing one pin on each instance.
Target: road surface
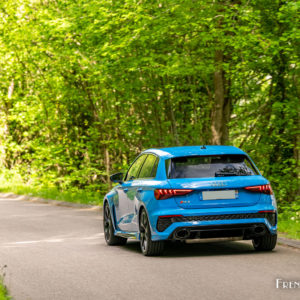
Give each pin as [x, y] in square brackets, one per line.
[54, 252]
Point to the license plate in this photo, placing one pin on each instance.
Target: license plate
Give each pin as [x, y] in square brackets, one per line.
[216, 195]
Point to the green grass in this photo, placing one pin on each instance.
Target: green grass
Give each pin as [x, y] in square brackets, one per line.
[12, 182]
[3, 292]
[289, 219]
[289, 225]
[74, 195]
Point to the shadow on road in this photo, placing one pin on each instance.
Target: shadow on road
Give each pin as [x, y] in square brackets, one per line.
[200, 249]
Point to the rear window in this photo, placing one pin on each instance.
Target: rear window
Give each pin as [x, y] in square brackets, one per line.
[209, 166]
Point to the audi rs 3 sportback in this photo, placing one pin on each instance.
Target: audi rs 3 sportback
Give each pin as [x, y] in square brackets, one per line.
[192, 192]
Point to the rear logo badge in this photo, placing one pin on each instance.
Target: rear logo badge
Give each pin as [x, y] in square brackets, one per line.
[218, 183]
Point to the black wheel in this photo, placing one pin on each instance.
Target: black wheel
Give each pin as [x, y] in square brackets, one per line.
[265, 243]
[110, 238]
[148, 247]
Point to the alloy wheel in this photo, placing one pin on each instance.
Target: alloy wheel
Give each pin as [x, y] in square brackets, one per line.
[107, 223]
[144, 231]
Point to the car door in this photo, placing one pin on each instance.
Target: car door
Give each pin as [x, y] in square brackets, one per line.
[141, 188]
[126, 193]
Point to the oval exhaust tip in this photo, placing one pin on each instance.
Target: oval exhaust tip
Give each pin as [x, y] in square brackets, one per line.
[182, 234]
[259, 229]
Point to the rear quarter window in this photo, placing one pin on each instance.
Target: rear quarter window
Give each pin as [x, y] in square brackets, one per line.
[134, 170]
[149, 167]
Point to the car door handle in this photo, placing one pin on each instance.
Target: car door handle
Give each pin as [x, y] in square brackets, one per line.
[139, 190]
[125, 190]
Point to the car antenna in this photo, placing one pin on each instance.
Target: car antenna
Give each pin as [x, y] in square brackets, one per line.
[203, 147]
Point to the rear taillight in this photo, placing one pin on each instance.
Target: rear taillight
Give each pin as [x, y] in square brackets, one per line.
[265, 189]
[161, 194]
[169, 216]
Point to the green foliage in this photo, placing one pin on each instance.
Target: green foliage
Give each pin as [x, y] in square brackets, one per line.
[289, 220]
[12, 182]
[86, 85]
[3, 291]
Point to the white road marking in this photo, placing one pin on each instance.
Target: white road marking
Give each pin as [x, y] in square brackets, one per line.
[24, 242]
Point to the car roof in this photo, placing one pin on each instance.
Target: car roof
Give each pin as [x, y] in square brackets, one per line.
[194, 150]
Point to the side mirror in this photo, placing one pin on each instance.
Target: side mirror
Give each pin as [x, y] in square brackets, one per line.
[117, 178]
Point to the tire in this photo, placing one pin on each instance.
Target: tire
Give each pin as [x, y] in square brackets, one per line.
[109, 236]
[148, 247]
[265, 243]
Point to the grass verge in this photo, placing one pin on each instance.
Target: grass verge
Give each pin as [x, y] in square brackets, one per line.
[289, 219]
[74, 195]
[290, 227]
[12, 182]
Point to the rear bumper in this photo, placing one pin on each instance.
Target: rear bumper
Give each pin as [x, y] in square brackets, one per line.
[236, 222]
[244, 231]
[165, 221]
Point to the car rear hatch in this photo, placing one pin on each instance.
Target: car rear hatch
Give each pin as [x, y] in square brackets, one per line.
[217, 192]
[215, 180]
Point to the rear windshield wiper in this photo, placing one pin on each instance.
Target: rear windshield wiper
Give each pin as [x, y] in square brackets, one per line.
[223, 174]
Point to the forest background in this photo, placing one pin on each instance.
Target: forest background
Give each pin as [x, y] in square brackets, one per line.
[86, 85]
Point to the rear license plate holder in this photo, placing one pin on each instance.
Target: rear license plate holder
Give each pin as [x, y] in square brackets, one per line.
[220, 195]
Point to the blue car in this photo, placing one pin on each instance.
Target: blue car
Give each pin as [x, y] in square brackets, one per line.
[191, 192]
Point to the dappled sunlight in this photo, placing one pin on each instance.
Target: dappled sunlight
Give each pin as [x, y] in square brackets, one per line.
[52, 240]
[4, 199]
[27, 216]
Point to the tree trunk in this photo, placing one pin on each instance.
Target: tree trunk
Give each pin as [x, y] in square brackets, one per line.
[221, 106]
[107, 166]
[5, 159]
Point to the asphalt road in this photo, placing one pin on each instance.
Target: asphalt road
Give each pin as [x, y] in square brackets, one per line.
[56, 252]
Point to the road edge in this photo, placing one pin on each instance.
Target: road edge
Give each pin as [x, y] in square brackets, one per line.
[288, 242]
